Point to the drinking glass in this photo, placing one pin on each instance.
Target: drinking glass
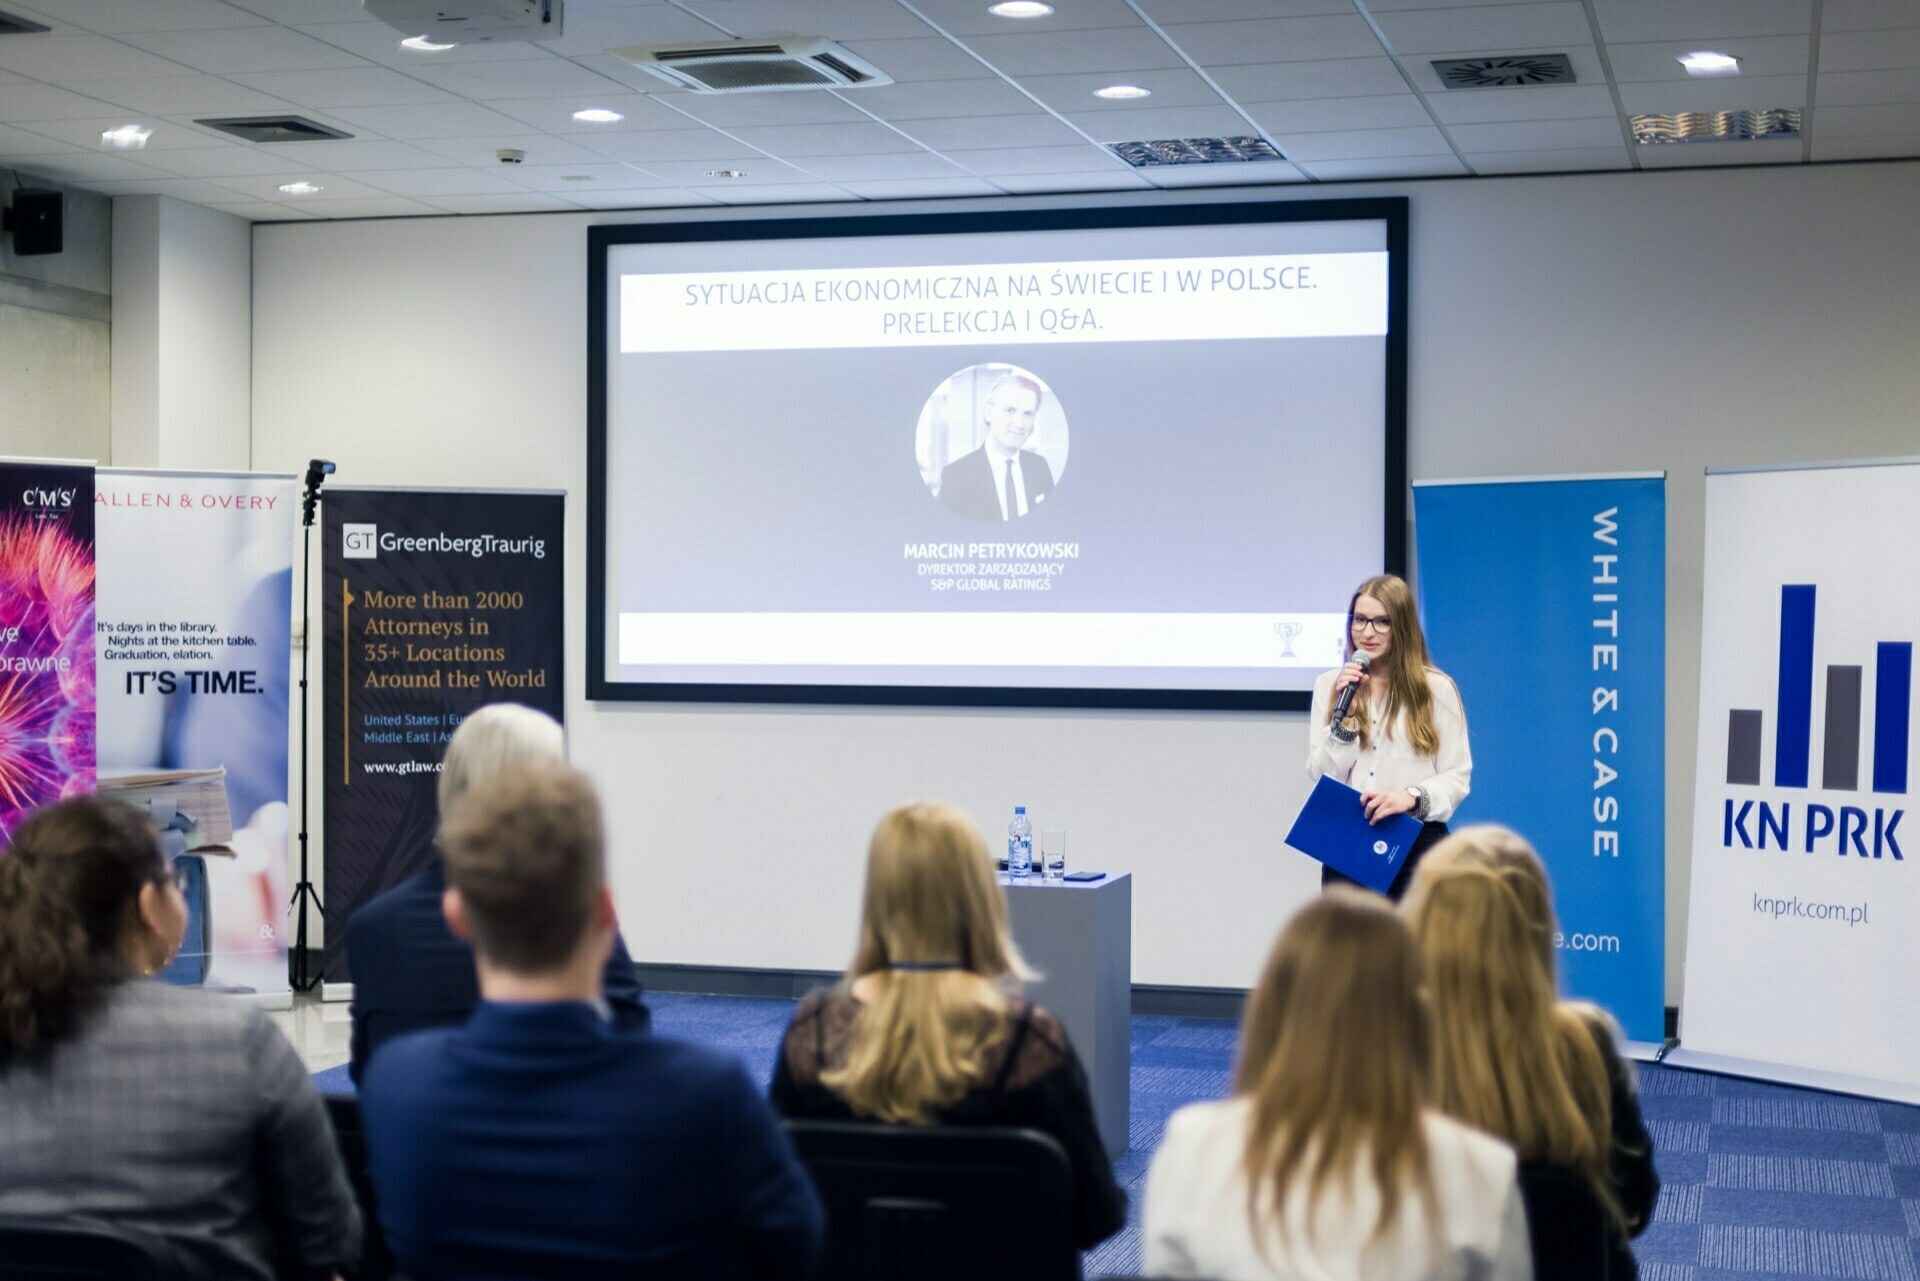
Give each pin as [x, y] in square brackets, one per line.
[1053, 852]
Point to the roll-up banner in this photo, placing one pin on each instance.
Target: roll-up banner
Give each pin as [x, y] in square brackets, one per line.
[1545, 600]
[434, 602]
[194, 649]
[1803, 923]
[46, 635]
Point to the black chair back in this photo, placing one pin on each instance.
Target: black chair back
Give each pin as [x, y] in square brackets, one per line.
[83, 1250]
[376, 1264]
[1571, 1231]
[908, 1203]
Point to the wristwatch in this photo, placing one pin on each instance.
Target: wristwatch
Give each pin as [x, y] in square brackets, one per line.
[1422, 803]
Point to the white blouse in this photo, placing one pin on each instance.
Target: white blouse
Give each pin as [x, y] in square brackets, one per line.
[1196, 1222]
[1389, 763]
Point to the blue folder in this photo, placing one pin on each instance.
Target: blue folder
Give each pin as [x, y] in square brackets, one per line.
[1333, 828]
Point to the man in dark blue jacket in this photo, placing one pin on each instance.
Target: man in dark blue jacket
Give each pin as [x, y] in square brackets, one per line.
[542, 1139]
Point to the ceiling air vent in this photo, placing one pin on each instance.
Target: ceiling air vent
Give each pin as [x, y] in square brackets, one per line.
[1512, 71]
[274, 129]
[1717, 126]
[1194, 151]
[12, 26]
[756, 66]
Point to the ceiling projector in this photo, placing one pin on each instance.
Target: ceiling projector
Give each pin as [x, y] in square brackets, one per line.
[470, 21]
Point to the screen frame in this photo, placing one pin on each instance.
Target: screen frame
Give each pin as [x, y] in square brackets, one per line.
[1392, 211]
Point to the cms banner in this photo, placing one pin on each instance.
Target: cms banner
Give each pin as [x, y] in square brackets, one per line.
[1803, 929]
[435, 603]
[1545, 600]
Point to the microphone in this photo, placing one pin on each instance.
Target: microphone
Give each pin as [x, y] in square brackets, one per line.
[1344, 703]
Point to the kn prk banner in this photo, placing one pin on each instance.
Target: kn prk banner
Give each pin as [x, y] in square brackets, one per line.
[1545, 600]
[434, 603]
[46, 635]
[1803, 926]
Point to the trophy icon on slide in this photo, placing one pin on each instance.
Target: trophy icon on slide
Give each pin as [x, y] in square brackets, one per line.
[1287, 631]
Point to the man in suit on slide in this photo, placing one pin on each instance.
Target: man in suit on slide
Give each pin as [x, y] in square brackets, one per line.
[1001, 480]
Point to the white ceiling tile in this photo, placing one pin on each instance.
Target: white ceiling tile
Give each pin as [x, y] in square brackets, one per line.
[1866, 122]
[18, 142]
[1118, 178]
[1870, 50]
[1583, 58]
[1854, 88]
[1312, 115]
[625, 73]
[925, 58]
[188, 189]
[1576, 160]
[1220, 44]
[1173, 122]
[834, 19]
[1394, 6]
[217, 162]
[113, 16]
[728, 110]
[1333, 78]
[292, 11]
[332, 185]
[80, 167]
[540, 148]
[938, 99]
[1759, 56]
[350, 87]
[524, 202]
[182, 95]
[646, 198]
[1170, 86]
[1632, 20]
[428, 120]
[1035, 159]
[970, 17]
[167, 135]
[595, 31]
[1265, 173]
[647, 146]
[521, 78]
[1538, 102]
[1035, 130]
[1363, 144]
[555, 115]
[254, 50]
[13, 78]
[359, 153]
[1053, 52]
[262, 211]
[1164, 11]
[1867, 15]
[66, 58]
[1729, 93]
[1385, 167]
[801, 141]
[1493, 29]
[922, 188]
[380, 207]
[898, 167]
[1877, 147]
[760, 172]
[795, 193]
[564, 180]
[456, 180]
[44, 102]
[1537, 135]
[1700, 155]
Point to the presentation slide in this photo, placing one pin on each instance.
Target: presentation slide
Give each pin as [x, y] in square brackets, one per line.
[1139, 458]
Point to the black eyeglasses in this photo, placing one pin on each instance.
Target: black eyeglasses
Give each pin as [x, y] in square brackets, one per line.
[1364, 624]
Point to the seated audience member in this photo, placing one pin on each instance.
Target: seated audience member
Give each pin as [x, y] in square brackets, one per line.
[1326, 1161]
[409, 972]
[1515, 1060]
[542, 1139]
[174, 1112]
[926, 1030]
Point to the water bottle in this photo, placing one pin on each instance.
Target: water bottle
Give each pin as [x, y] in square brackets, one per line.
[1019, 843]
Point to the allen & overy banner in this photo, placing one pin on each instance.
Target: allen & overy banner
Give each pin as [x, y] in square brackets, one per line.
[434, 602]
[1545, 600]
[1803, 925]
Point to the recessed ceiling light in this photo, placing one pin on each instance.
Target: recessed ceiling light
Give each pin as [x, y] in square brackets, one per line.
[597, 116]
[301, 188]
[726, 173]
[420, 44]
[1020, 9]
[1117, 93]
[126, 137]
[1704, 62]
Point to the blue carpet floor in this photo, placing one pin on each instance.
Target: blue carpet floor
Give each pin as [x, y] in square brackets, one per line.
[1762, 1182]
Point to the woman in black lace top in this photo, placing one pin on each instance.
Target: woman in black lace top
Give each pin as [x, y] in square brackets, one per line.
[924, 1030]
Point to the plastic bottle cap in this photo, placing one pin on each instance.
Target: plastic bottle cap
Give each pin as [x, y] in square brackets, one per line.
[1019, 809]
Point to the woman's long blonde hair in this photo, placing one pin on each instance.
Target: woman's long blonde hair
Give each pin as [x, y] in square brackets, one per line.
[931, 900]
[1336, 1056]
[1406, 667]
[1513, 1059]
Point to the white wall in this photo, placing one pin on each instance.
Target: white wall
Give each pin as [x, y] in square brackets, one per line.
[1559, 324]
[56, 334]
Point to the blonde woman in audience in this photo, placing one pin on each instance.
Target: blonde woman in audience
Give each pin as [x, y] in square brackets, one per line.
[926, 1028]
[1327, 1162]
[1515, 1060]
[170, 1111]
